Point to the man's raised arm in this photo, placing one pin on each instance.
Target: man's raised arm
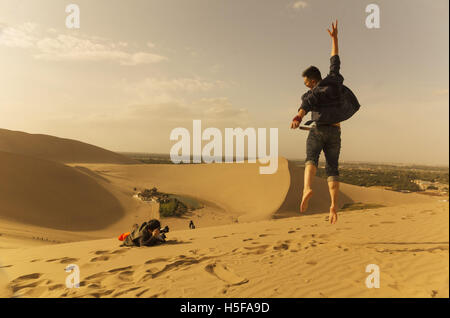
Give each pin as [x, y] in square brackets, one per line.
[334, 37]
[335, 63]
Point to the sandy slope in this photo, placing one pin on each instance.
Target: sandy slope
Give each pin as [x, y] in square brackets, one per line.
[52, 195]
[291, 257]
[56, 149]
[52, 192]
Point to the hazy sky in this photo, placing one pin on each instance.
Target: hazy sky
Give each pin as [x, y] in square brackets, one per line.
[136, 69]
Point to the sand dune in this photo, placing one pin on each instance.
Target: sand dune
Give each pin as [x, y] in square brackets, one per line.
[237, 188]
[56, 195]
[49, 194]
[241, 191]
[295, 257]
[56, 149]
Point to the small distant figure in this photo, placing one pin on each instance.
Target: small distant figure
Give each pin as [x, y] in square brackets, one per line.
[191, 225]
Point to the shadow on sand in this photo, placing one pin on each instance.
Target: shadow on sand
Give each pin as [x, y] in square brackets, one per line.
[319, 202]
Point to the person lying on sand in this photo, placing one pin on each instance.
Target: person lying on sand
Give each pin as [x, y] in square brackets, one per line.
[326, 137]
[148, 234]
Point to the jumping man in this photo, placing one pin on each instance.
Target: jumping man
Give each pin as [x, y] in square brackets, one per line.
[323, 136]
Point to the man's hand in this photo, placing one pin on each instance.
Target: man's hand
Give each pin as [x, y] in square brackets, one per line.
[155, 233]
[334, 32]
[334, 37]
[295, 124]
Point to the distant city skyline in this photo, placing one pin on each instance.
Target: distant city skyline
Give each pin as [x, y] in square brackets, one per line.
[135, 70]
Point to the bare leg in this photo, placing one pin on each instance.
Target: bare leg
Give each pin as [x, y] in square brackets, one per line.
[310, 172]
[333, 187]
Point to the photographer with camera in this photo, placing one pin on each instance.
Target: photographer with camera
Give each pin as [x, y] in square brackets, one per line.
[148, 234]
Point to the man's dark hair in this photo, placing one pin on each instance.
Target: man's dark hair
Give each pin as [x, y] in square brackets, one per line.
[312, 72]
[153, 224]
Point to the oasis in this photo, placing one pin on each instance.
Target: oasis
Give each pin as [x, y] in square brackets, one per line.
[212, 151]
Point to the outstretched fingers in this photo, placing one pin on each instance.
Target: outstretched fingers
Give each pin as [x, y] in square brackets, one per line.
[333, 31]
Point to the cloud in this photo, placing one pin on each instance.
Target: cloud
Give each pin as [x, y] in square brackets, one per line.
[21, 36]
[157, 90]
[154, 121]
[298, 5]
[55, 46]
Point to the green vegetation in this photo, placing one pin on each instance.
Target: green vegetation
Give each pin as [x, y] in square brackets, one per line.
[190, 203]
[172, 208]
[397, 178]
[170, 205]
[401, 180]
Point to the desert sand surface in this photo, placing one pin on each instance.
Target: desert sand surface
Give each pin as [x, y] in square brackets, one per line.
[57, 209]
[301, 256]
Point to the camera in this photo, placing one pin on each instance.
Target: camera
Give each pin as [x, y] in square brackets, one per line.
[163, 231]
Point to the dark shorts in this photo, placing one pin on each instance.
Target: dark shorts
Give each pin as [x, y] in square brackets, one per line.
[328, 139]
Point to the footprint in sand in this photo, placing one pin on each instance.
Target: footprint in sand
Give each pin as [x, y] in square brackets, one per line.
[142, 292]
[55, 287]
[284, 245]
[247, 239]
[103, 293]
[96, 275]
[125, 291]
[225, 274]
[223, 236]
[120, 251]
[101, 252]
[126, 275]
[23, 282]
[256, 250]
[120, 269]
[176, 265]
[68, 260]
[94, 285]
[100, 259]
[156, 260]
[28, 277]
[52, 260]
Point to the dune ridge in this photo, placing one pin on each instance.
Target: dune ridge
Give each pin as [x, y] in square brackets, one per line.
[57, 149]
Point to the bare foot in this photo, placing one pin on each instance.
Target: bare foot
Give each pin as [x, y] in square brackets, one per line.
[333, 215]
[306, 196]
